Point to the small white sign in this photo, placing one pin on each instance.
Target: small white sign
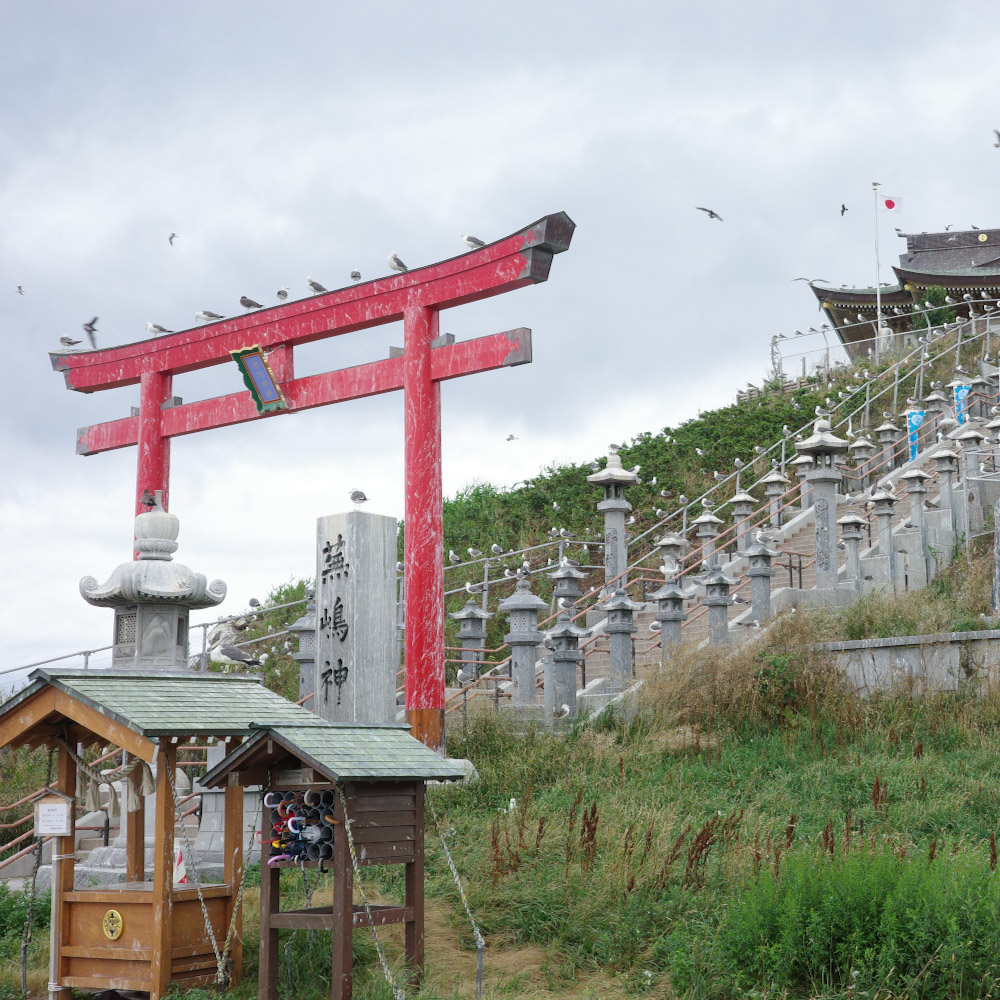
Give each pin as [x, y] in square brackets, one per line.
[53, 817]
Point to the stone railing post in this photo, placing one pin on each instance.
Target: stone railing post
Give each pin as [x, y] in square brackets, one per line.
[944, 461]
[852, 531]
[564, 639]
[824, 448]
[670, 614]
[619, 609]
[885, 509]
[760, 574]
[743, 507]
[981, 396]
[775, 485]
[522, 609]
[915, 483]
[717, 600]
[472, 636]
[305, 629]
[613, 479]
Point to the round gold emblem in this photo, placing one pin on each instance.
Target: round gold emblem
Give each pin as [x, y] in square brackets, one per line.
[113, 925]
[982, 237]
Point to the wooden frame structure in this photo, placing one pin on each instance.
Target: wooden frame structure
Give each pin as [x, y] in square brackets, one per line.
[141, 934]
[376, 775]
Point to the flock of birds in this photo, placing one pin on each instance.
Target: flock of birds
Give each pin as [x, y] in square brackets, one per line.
[209, 316]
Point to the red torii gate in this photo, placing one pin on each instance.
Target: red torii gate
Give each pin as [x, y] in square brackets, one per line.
[416, 297]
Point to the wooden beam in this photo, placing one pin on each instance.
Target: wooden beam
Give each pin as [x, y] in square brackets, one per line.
[267, 974]
[16, 727]
[97, 722]
[341, 987]
[135, 841]
[163, 874]
[414, 933]
[62, 876]
[232, 873]
[499, 350]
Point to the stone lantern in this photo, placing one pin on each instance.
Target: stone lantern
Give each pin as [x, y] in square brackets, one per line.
[717, 601]
[672, 551]
[945, 461]
[566, 583]
[620, 609]
[760, 573]
[887, 435]
[915, 483]
[152, 597]
[801, 464]
[743, 506]
[862, 451]
[981, 396]
[885, 509]
[935, 407]
[472, 636]
[824, 448]
[775, 485]
[947, 425]
[522, 609]
[613, 479]
[853, 532]
[707, 530]
[993, 430]
[564, 640]
[670, 614]
[304, 629]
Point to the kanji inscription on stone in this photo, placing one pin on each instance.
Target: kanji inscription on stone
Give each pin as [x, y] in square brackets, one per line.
[356, 652]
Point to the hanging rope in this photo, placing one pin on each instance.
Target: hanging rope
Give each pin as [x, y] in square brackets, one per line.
[26, 939]
[96, 778]
[480, 943]
[397, 993]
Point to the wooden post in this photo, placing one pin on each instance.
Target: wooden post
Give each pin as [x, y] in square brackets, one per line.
[163, 874]
[233, 872]
[135, 836]
[267, 975]
[414, 933]
[62, 875]
[343, 908]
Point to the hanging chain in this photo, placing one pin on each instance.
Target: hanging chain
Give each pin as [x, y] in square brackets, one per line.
[39, 842]
[397, 993]
[480, 943]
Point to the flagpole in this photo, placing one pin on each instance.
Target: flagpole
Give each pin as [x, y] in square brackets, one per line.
[878, 270]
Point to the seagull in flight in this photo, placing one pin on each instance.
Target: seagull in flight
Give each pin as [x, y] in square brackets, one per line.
[472, 242]
[283, 293]
[996, 132]
[19, 289]
[171, 238]
[357, 498]
[90, 328]
[711, 213]
[843, 209]
[204, 315]
[68, 341]
[395, 263]
[511, 437]
[248, 303]
[355, 276]
[813, 281]
[316, 287]
[155, 329]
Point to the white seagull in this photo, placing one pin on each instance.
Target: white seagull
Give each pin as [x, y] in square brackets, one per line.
[19, 289]
[232, 656]
[248, 303]
[395, 263]
[68, 341]
[358, 498]
[204, 315]
[171, 238]
[155, 329]
[90, 328]
[472, 242]
[355, 276]
[316, 287]
[283, 293]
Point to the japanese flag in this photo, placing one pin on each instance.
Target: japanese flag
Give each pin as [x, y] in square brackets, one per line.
[886, 203]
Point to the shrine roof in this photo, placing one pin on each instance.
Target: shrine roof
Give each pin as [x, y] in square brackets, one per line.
[338, 753]
[170, 704]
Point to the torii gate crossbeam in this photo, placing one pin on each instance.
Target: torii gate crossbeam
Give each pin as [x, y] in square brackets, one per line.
[415, 297]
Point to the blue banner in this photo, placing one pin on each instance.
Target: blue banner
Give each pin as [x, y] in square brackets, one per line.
[914, 418]
[961, 391]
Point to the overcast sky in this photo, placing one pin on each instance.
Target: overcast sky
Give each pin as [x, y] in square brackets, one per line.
[311, 138]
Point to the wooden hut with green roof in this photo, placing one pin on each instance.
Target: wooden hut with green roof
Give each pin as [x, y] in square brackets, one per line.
[143, 934]
[359, 792]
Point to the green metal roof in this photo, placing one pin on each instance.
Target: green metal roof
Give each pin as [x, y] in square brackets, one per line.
[206, 704]
[340, 752]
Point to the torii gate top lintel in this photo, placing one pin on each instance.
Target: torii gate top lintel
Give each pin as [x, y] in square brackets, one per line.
[519, 259]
